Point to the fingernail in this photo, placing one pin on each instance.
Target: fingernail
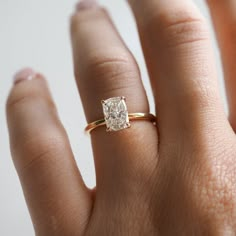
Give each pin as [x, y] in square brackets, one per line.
[24, 74]
[86, 4]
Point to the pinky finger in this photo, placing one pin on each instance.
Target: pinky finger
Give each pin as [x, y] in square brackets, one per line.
[223, 14]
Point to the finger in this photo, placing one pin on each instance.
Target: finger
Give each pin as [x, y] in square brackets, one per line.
[224, 18]
[53, 188]
[105, 68]
[177, 47]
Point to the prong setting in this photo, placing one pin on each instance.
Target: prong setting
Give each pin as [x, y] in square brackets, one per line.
[108, 130]
[128, 125]
[115, 113]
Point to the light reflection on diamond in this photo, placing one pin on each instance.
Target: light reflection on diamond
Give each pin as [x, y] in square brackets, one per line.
[115, 113]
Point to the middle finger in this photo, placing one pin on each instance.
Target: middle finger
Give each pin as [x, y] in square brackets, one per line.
[177, 47]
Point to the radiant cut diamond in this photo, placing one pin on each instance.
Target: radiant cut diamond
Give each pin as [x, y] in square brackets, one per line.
[116, 114]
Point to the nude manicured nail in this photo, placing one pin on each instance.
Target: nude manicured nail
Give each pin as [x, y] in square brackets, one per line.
[86, 4]
[24, 74]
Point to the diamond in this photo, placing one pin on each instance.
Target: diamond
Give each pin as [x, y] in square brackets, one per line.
[115, 113]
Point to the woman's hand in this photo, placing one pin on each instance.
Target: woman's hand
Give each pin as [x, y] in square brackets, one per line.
[177, 178]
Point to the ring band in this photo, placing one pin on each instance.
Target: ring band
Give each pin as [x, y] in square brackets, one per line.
[116, 116]
[132, 116]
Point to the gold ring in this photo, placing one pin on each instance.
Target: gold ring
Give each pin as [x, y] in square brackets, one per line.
[116, 116]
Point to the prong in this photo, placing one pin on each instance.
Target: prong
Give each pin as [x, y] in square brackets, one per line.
[108, 129]
[123, 98]
[103, 102]
[128, 125]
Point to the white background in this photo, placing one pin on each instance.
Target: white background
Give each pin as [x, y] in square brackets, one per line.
[35, 33]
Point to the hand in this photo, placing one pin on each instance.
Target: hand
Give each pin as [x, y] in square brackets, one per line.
[176, 178]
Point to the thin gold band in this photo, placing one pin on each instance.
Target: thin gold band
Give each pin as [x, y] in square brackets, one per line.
[132, 116]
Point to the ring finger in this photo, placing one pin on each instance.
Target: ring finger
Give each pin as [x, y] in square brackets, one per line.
[105, 68]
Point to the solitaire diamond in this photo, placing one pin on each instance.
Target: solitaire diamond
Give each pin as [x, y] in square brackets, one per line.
[116, 114]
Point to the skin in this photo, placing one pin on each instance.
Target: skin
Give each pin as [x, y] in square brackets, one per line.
[177, 178]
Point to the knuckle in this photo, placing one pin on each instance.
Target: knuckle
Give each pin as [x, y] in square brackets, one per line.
[111, 66]
[111, 73]
[181, 28]
[43, 148]
[189, 31]
[21, 96]
[16, 99]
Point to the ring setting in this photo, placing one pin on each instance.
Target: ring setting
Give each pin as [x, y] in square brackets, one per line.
[115, 113]
[116, 116]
